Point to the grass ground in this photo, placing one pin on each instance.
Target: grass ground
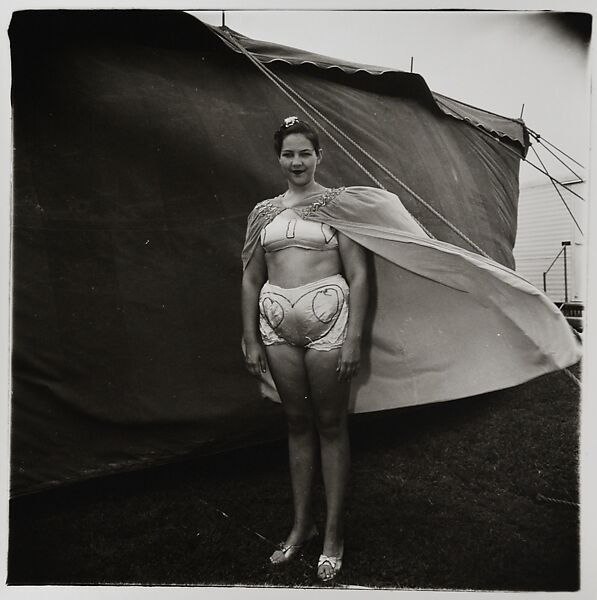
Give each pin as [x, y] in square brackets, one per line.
[452, 495]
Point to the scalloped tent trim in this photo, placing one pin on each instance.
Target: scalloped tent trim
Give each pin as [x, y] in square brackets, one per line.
[268, 52]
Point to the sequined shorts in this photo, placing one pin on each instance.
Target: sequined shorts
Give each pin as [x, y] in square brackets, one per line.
[314, 315]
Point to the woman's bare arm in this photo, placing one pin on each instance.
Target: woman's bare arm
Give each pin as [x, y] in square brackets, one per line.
[354, 259]
[254, 277]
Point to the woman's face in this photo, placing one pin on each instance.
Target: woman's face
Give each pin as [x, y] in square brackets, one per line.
[298, 159]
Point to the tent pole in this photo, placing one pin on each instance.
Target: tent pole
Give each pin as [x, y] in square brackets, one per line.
[565, 244]
[411, 63]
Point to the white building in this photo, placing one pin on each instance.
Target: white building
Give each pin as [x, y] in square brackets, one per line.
[543, 224]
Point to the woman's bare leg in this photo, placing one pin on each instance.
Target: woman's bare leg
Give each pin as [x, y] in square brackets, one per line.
[290, 376]
[330, 403]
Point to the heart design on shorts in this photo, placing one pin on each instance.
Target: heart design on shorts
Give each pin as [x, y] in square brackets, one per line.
[326, 305]
[273, 312]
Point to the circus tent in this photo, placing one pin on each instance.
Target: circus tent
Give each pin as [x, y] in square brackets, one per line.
[142, 139]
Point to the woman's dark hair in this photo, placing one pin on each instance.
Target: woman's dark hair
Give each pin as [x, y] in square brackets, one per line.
[293, 125]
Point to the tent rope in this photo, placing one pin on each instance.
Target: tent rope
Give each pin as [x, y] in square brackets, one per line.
[559, 194]
[281, 86]
[284, 88]
[572, 376]
[517, 154]
[542, 498]
[263, 538]
[538, 138]
[392, 176]
[541, 139]
[272, 78]
[553, 179]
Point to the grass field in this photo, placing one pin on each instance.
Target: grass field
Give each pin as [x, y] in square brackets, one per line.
[473, 494]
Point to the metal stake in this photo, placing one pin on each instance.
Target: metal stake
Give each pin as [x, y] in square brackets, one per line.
[565, 272]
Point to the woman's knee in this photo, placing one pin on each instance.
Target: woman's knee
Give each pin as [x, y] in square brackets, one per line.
[300, 424]
[331, 424]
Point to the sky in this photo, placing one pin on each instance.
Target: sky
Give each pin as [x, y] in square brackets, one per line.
[495, 61]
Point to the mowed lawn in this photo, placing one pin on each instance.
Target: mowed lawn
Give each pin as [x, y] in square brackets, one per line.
[477, 494]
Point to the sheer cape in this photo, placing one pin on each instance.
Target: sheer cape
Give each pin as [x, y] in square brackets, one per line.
[443, 323]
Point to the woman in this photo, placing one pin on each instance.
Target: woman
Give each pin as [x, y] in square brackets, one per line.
[304, 296]
[442, 323]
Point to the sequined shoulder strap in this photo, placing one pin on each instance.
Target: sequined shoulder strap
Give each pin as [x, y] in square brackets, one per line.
[326, 198]
[265, 211]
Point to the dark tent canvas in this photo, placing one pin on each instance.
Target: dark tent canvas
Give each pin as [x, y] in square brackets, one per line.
[142, 141]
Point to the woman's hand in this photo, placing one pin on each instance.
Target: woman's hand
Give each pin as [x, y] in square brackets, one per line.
[349, 361]
[255, 358]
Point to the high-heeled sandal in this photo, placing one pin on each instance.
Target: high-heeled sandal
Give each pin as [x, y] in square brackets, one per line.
[334, 562]
[289, 551]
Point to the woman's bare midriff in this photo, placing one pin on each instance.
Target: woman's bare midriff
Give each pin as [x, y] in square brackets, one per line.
[292, 267]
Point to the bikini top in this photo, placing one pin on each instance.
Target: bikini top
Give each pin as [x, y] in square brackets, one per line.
[289, 230]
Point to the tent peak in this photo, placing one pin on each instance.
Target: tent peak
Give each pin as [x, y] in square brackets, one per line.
[497, 125]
